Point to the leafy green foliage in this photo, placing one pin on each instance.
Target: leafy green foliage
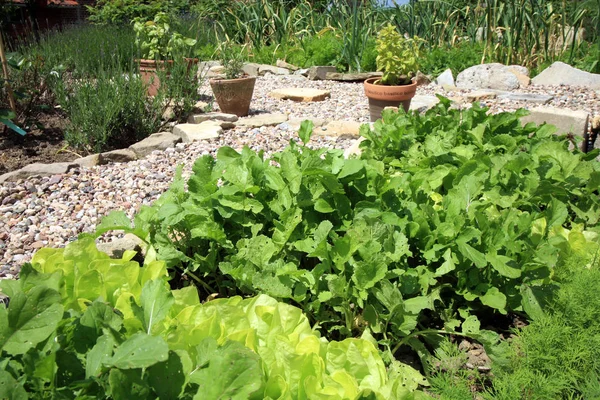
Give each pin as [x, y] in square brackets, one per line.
[446, 219]
[157, 40]
[80, 324]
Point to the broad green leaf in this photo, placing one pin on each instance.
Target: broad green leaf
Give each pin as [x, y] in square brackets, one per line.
[228, 372]
[305, 131]
[447, 266]
[30, 319]
[100, 354]
[128, 385]
[495, 299]
[351, 167]
[140, 351]
[167, 378]
[116, 220]
[501, 264]
[323, 206]
[531, 304]
[469, 252]
[156, 300]
[10, 389]
[471, 325]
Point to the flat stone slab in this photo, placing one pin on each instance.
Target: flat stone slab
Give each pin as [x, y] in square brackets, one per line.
[481, 95]
[156, 141]
[300, 94]
[256, 121]
[528, 97]
[560, 73]
[118, 156]
[212, 116]
[196, 132]
[294, 123]
[566, 121]
[319, 73]
[422, 103]
[37, 169]
[283, 64]
[264, 68]
[339, 128]
[351, 77]
[89, 161]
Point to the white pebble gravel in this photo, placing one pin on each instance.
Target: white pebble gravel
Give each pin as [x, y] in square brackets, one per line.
[52, 211]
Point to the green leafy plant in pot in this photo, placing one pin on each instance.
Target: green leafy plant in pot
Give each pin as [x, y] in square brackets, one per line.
[159, 45]
[397, 58]
[233, 92]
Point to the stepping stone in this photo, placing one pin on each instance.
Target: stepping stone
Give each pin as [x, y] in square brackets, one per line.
[528, 97]
[352, 77]
[212, 116]
[339, 128]
[567, 121]
[37, 169]
[300, 94]
[256, 121]
[196, 132]
[481, 95]
[156, 141]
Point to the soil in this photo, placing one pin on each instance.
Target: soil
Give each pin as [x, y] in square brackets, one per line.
[43, 144]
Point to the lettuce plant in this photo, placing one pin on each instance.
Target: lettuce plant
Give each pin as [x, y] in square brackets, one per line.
[80, 324]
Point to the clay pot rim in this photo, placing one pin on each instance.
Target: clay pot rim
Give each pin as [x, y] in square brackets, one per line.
[371, 81]
[243, 78]
[408, 91]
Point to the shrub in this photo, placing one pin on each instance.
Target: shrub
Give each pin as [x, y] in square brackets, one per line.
[458, 58]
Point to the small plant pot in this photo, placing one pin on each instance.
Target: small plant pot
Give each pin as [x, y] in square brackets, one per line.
[234, 95]
[382, 96]
[148, 72]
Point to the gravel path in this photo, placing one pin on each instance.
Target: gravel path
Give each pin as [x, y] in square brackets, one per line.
[52, 211]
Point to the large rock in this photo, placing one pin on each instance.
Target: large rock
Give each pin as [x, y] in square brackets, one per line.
[560, 73]
[422, 103]
[259, 120]
[212, 116]
[37, 169]
[319, 73]
[156, 141]
[196, 132]
[489, 76]
[263, 69]
[300, 94]
[251, 69]
[567, 121]
[445, 78]
[89, 161]
[118, 247]
[352, 76]
[118, 156]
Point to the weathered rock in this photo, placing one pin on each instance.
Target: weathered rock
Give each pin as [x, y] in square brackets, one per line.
[215, 71]
[118, 247]
[201, 106]
[319, 73]
[117, 156]
[156, 141]
[488, 76]
[264, 68]
[566, 121]
[300, 94]
[422, 79]
[528, 97]
[445, 78]
[251, 69]
[422, 103]
[212, 116]
[294, 123]
[302, 72]
[283, 64]
[518, 69]
[37, 169]
[339, 128]
[259, 120]
[89, 161]
[560, 73]
[524, 79]
[351, 76]
[354, 149]
[481, 95]
[195, 132]
[205, 66]
[596, 123]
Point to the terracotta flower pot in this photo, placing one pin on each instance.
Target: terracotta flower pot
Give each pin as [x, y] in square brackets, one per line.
[149, 68]
[234, 95]
[381, 96]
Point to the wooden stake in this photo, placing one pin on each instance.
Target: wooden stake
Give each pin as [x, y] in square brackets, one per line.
[11, 97]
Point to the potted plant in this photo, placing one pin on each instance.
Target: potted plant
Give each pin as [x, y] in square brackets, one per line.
[234, 91]
[158, 45]
[397, 58]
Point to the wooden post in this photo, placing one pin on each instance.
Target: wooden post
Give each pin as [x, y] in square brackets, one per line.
[11, 97]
